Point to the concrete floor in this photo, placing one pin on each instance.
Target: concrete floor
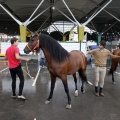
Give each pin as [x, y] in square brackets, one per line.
[84, 107]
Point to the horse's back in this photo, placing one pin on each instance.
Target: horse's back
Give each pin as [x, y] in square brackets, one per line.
[116, 60]
[79, 58]
[116, 52]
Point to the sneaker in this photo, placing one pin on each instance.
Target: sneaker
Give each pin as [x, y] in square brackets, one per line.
[14, 97]
[97, 94]
[40, 66]
[101, 94]
[44, 66]
[21, 97]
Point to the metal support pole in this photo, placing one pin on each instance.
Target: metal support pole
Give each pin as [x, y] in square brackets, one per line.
[28, 22]
[55, 27]
[43, 23]
[25, 23]
[112, 15]
[20, 23]
[110, 27]
[93, 26]
[80, 45]
[71, 13]
[66, 16]
[93, 16]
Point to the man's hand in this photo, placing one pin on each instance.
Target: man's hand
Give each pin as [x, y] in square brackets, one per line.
[28, 59]
[86, 53]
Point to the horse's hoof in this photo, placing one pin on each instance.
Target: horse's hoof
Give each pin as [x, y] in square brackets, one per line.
[68, 106]
[83, 91]
[47, 101]
[113, 83]
[76, 93]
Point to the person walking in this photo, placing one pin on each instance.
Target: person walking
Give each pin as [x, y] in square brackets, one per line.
[42, 60]
[13, 57]
[100, 55]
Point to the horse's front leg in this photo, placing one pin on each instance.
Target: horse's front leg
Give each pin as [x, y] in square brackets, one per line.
[75, 80]
[64, 80]
[53, 80]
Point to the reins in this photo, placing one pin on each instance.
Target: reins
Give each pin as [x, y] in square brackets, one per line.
[36, 46]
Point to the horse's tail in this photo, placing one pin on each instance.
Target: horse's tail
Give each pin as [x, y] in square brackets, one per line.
[84, 78]
[87, 81]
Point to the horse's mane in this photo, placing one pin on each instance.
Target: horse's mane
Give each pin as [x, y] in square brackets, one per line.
[56, 51]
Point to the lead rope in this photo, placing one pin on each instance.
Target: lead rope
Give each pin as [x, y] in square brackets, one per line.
[39, 68]
[35, 80]
[28, 73]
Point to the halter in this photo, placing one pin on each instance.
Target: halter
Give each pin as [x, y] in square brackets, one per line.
[37, 45]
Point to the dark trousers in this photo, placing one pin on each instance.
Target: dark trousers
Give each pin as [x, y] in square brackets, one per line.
[42, 62]
[17, 71]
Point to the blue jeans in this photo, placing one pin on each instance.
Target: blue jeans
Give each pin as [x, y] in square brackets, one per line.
[42, 62]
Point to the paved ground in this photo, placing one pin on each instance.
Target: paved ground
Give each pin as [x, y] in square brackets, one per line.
[84, 107]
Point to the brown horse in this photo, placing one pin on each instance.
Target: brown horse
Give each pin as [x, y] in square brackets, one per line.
[114, 64]
[60, 62]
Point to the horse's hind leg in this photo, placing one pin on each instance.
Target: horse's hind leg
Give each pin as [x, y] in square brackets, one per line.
[64, 80]
[113, 68]
[53, 80]
[75, 80]
[83, 76]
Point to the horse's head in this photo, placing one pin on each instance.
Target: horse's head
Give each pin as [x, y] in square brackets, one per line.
[32, 45]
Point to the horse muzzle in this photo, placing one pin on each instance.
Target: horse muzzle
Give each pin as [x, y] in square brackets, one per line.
[27, 51]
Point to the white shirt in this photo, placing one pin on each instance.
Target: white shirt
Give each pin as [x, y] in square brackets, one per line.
[42, 54]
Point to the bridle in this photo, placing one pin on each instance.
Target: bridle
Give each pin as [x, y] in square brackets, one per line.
[36, 46]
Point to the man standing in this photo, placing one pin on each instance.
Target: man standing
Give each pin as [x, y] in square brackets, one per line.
[42, 60]
[13, 57]
[100, 56]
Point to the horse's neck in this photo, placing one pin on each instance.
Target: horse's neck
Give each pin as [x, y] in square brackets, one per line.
[47, 56]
